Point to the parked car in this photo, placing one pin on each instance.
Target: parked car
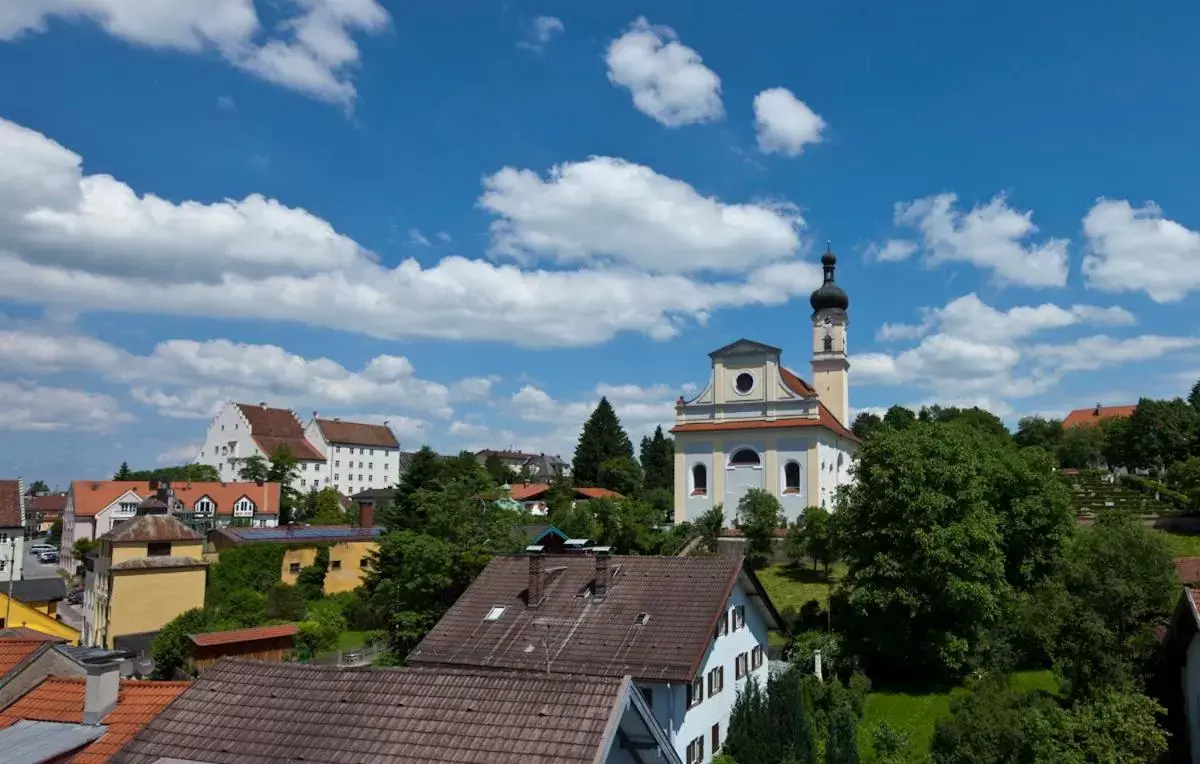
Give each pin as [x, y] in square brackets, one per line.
[76, 597]
[39, 549]
[47, 557]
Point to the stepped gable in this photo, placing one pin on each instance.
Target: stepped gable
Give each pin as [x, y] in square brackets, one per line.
[272, 428]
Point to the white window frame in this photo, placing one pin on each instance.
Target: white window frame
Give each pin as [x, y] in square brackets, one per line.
[716, 681]
[696, 692]
[722, 627]
[741, 666]
[784, 488]
[739, 617]
[695, 751]
[756, 658]
[737, 450]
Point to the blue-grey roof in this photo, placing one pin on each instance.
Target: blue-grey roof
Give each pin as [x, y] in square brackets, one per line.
[39, 589]
[30, 742]
[298, 534]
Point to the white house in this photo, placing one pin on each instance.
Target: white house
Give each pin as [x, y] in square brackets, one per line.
[358, 457]
[758, 425]
[12, 530]
[648, 617]
[242, 430]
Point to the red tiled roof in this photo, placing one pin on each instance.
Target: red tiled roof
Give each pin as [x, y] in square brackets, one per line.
[91, 496]
[272, 428]
[1188, 570]
[58, 699]
[824, 418]
[793, 382]
[357, 433]
[534, 491]
[570, 633]
[10, 504]
[247, 712]
[152, 528]
[48, 504]
[14, 651]
[300, 447]
[234, 636]
[1097, 414]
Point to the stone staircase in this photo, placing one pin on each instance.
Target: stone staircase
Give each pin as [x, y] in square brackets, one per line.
[1092, 492]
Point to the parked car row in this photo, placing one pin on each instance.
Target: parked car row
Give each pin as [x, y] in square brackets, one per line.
[44, 553]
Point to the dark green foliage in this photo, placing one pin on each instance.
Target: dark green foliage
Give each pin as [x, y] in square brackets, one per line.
[983, 422]
[311, 579]
[38, 487]
[774, 726]
[865, 423]
[709, 526]
[413, 579]
[841, 746]
[55, 533]
[253, 567]
[1162, 433]
[759, 515]
[497, 471]
[744, 739]
[815, 531]
[1116, 447]
[657, 456]
[172, 648]
[1184, 477]
[1177, 475]
[283, 471]
[899, 418]
[284, 603]
[601, 439]
[1037, 432]
[663, 502]
[1194, 396]
[621, 474]
[254, 468]
[629, 526]
[195, 473]
[1081, 447]
[123, 472]
[240, 609]
[82, 547]
[320, 629]
[889, 743]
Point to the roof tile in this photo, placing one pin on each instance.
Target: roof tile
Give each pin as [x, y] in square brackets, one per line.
[358, 433]
[10, 504]
[15, 651]
[1097, 414]
[824, 418]
[234, 636]
[272, 428]
[91, 496]
[152, 528]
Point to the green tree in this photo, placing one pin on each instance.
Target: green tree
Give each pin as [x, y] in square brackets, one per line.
[621, 474]
[83, 547]
[841, 746]
[413, 578]
[1162, 432]
[985, 422]
[865, 424]
[899, 418]
[327, 508]
[744, 738]
[38, 487]
[601, 439]
[282, 470]
[818, 537]
[311, 579]
[1117, 449]
[1038, 432]
[759, 515]
[284, 602]
[254, 469]
[496, 468]
[657, 456]
[183, 473]
[171, 646]
[55, 536]
[320, 629]
[795, 545]
[1081, 447]
[423, 474]
[925, 561]
[786, 723]
[1114, 727]
[710, 525]
[1194, 396]
[123, 473]
[1185, 477]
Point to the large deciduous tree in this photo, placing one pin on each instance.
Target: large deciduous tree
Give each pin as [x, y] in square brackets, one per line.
[899, 418]
[1194, 396]
[1038, 432]
[657, 455]
[865, 423]
[1162, 432]
[1081, 447]
[759, 515]
[601, 439]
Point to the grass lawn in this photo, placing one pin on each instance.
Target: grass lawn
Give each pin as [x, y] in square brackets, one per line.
[915, 714]
[1182, 544]
[351, 640]
[792, 587]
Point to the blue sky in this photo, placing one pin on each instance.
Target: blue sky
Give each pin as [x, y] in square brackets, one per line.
[472, 220]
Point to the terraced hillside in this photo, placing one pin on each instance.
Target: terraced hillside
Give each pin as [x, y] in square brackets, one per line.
[1091, 492]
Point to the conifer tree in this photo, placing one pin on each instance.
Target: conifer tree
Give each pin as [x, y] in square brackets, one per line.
[744, 739]
[841, 747]
[124, 473]
[602, 439]
[658, 461]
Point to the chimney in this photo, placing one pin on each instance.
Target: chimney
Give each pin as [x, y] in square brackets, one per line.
[366, 514]
[1097, 411]
[600, 589]
[100, 693]
[262, 404]
[536, 581]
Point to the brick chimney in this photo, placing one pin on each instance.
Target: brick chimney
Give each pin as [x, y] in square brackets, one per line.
[600, 589]
[366, 514]
[101, 690]
[537, 582]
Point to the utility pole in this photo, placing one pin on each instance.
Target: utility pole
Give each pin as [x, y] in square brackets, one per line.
[12, 551]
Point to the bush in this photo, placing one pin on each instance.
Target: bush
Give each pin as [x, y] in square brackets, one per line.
[311, 581]
[320, 630]
[171, 648]
[1178, 501]
[890, 744]
[284, 602]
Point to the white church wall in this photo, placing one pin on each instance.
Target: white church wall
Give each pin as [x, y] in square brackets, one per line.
[696, 452]
[741, 478]
[791, 450]
[833, 459]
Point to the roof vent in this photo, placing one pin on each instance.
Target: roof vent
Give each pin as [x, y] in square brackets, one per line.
[642, 619]
[262, 404]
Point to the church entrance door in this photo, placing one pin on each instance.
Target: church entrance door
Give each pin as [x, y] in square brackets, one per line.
[743, 471]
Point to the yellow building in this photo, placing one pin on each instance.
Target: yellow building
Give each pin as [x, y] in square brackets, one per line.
[15, 614]
[147, 571]
[349, 549]
[41, 594]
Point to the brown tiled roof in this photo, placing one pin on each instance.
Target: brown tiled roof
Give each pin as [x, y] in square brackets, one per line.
[1097, 414]
[158, 563]
[14, 651]
[92, 496]
[531, 491]
[48, 504]
[824, 418]
[152, 528]
[357, 433]
[244, 712]
[10, 504]
[272, 428]
[234, 636]
[793, 382]
[680, 597]
[57, 699]
[1188, 570]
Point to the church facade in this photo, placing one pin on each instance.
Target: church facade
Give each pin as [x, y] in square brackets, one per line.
[759, 425]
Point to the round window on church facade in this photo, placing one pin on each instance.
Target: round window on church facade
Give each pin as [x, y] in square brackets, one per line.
[744, 382]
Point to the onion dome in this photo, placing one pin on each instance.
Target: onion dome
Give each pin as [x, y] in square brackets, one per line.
[829, 296]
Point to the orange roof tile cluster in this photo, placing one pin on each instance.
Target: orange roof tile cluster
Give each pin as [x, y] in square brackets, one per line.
[1097, 414]
[91, 496]
[59, 699]
[824, 418]
[15, 651]
[272, 428]
[798, 386]
[534, 491]
[357, 433]
[234, 636]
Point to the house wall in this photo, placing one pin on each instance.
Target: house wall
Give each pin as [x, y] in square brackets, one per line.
[147, 600]
[1191, 694]
[20, 614]
[359, 468]
[227, 441]
[834, 456]
[269, 650]
[349, 554]
[12, 553]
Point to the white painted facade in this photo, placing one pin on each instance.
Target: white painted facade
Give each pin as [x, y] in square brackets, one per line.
[227, 442]
[12, 554]
[668, 701]
[347, 467]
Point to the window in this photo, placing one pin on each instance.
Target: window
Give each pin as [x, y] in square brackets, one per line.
[337, 462]
[739, 617]
[791, 477]
[716, 680]
[360, 478]
[716, 737]
[3, 538]
[337, 449]
[744, 457]
[495, 613]
[370, 465]
[128, 507]
[336, 476]
[695, 751]
[243, 507]
[158, 549]
[741, 665]
[294, 567]
[204, 507]
[722, 626]
[744, 383]
[3, 564]
[335, 564]
[699, 480]
[756, 657]
[360, 465]
[695, 692]
[371, 452]
[303, 482]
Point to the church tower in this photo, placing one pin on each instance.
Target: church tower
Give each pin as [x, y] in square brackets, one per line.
[830, 360]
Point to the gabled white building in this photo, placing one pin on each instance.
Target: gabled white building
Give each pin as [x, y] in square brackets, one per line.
[358, 457]
[12, 530]
[242, 430]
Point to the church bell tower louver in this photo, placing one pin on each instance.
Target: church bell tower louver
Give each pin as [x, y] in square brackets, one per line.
[830, 359]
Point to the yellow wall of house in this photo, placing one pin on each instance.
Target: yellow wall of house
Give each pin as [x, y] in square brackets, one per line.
[147, 600]
[132, 551]
[345, 571]
[21, 614]
[49, 608]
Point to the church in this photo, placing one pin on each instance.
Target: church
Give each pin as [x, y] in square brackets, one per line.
[759, 425]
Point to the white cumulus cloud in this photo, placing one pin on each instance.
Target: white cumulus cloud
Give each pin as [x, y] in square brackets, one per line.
[668, 80]
[785, 124]
[1132, 249]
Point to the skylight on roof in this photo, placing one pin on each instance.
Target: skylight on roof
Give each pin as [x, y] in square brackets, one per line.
[495, 613]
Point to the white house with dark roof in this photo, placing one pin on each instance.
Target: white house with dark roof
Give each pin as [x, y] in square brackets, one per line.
[358, 456]
[756, 424]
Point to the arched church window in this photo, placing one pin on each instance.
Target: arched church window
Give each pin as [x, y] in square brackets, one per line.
[828, 343]
[791, 477]
[699, 480]
[744, 457]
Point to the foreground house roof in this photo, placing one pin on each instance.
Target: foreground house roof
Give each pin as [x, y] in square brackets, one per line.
[15, 652]
[533, 491]
[272, 428]
[56, 699]
[10, 504]
[1097, 414]
[298, 534]
[151, 528]
[654, 623]
[357, 433]
[49, 503]
[92, 496]
[247, 712]
[39, 589]
[237, 636]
